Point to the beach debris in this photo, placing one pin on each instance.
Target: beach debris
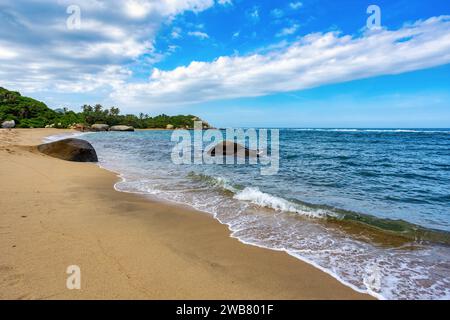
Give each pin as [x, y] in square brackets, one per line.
[229, 148]
[121, 128]
[8, 124]
[100, 127]
[70, 149]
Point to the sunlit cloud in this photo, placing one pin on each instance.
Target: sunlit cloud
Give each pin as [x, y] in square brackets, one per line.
[314, 60]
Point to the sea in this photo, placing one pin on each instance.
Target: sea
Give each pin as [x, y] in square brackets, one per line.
[370, 207]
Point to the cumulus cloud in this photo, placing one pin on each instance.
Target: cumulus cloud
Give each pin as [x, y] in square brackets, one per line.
[38, 52]
[313, 60]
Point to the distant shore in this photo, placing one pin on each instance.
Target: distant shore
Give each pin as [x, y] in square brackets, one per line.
[57, 213]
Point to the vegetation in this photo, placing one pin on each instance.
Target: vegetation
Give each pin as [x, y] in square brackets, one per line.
[30, 113]
[26, 112]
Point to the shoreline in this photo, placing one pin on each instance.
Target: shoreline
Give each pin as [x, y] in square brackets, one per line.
[127, 245]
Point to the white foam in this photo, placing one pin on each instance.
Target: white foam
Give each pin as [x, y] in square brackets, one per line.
[255, 196]
[61, 136]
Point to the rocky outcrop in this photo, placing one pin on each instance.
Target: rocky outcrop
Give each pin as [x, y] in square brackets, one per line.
[229, 148]
[70, 149]
[121, 128]
[8, 124]
[169, 127]
[100, 127]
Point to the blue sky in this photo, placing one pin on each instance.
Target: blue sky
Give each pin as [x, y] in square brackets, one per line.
[293, 63]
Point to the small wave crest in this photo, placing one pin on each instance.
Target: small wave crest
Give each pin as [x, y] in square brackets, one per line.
[61, 136]
[215, 181]
[262, 199]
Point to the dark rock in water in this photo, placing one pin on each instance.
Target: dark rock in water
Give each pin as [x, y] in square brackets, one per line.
[228, 148]
[100, 127]
[121, 128]
[70, 149]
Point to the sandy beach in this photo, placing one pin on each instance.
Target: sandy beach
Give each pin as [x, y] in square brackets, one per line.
[55, 213]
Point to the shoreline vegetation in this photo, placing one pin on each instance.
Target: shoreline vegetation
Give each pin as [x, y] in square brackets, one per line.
[30, 113]
[58, 213]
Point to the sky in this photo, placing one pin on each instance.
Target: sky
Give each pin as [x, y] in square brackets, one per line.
[236, 63]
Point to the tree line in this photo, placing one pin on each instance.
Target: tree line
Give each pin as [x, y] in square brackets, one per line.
[31, 113]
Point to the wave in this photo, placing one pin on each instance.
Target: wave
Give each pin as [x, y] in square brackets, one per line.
[61, 136]
[348, 259]
[255, 196]
[334, 215]
[218, 182]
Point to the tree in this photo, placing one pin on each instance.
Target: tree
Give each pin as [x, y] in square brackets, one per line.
[27, 112]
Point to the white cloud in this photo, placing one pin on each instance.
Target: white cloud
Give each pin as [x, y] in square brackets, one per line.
[39, 53]
[6, 53]
[198, 34]
[295, 5]
[314, 60]
[288, 31]
[137, 9]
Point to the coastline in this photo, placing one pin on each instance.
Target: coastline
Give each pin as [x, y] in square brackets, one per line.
[57, 213]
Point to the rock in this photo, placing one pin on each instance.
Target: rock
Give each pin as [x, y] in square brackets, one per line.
[121, 128]
[100, 127]
[8, 124]
[79, 127]
[169, 127]
[70, 149]
[229, 148]
[206, 125]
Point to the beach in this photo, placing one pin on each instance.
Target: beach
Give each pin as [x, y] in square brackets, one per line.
[56, 213]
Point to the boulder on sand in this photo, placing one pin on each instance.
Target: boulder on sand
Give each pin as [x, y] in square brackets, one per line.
[121, 128]
[229, 148]
[70, 149]
[8, 124]
[100, 127]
